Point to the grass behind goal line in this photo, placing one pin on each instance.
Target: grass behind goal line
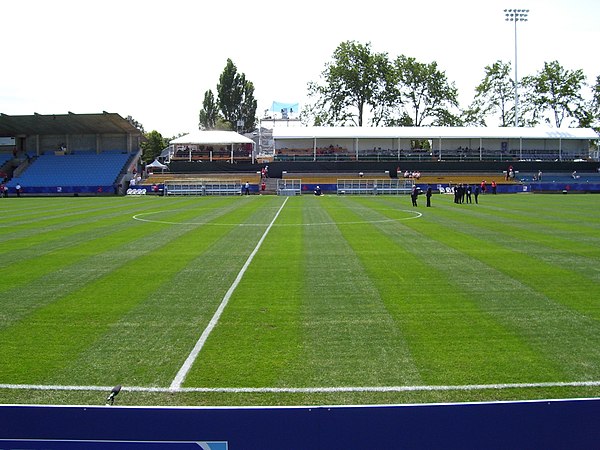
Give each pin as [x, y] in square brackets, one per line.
[344, 292]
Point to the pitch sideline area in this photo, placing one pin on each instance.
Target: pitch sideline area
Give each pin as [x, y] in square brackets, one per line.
[366, 208]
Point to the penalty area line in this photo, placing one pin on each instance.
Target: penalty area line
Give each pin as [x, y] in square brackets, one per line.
[187, 365]
[309, 390]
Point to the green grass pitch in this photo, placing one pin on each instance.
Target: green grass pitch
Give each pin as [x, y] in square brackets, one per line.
[329, 300]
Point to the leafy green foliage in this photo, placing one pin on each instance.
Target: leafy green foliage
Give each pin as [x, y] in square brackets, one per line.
[236, 98]
[153, 146]
[554, 93]
[356, 78]
[425, 93]
[209, 114]
[493, 96]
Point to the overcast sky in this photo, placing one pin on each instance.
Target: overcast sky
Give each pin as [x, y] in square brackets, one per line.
[155, 60]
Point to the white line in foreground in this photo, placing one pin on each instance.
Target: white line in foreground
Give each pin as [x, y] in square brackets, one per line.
[309, 390]
[187, 365]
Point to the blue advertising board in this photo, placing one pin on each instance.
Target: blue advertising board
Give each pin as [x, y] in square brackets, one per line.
[545, 424]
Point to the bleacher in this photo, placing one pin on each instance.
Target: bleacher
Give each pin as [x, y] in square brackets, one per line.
[4, 158]
[85, 172]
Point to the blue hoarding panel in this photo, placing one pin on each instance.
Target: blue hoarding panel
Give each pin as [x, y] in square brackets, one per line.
[539, 424]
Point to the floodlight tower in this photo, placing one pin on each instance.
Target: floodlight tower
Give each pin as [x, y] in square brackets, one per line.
[516, 15]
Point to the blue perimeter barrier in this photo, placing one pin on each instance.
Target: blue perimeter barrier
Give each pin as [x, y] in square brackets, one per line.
[548, 424]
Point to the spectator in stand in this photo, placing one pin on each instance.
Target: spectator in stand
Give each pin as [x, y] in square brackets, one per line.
[539, 177]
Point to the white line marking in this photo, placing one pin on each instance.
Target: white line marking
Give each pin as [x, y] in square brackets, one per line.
[187, 365]
[139, 217]
[309, 390]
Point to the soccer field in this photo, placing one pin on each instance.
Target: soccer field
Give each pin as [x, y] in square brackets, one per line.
[266, 300]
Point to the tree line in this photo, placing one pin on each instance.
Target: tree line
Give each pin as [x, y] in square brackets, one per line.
[359, 84]
[362, 87]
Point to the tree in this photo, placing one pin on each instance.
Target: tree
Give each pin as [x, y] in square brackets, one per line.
[425, 94]
[248, 107]
[589, 112]
[236, 98]
[355, 79]
[493, 96]
[209, 114]
[153, 146]
[554, 93]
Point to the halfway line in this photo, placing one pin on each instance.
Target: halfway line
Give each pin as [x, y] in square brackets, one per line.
[187, 365]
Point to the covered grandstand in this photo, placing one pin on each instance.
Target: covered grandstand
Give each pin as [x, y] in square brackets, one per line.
[432, 144]
[70, 153]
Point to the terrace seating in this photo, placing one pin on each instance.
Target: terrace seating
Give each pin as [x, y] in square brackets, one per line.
[4, 157]
[72, 170]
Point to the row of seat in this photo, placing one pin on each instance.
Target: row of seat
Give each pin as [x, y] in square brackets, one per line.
[72, 170]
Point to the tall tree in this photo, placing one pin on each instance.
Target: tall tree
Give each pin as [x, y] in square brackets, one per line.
[248, 107]
[426, 95]
[209, 113]
[554, 93]
[354, 80]
[589, 112]
[493, 96]
[153, 146]
[236, 98]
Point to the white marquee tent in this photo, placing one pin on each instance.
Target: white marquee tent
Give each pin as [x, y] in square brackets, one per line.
[227, 139]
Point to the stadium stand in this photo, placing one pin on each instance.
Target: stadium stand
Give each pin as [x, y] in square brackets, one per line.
[4, 158]
[67, 171]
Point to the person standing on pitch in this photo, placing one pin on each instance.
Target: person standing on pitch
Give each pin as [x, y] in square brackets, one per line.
[428, 194]
[414, 195]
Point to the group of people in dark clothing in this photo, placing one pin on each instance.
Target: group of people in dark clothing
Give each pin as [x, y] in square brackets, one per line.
[463, 193]
[414, 195]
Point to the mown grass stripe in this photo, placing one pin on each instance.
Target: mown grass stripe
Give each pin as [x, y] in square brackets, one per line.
[428, 304]
[43, 339]
[187, 365]
[488, 273]
[256, 339]
[351, 337]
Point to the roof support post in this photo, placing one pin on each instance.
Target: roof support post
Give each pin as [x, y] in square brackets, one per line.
[480, 149]
[559, 149]
[521, 147]
[315, 148]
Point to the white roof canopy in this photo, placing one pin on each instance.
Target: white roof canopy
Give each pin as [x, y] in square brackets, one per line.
[213, 138]
[432, 133]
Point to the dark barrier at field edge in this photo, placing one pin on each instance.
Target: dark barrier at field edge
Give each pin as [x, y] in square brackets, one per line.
[537, 424]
